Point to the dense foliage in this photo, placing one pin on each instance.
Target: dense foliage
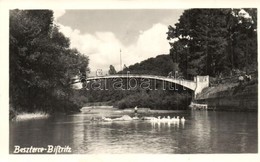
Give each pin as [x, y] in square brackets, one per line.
[215, 42]
[166, 100]
[160, 65]
[111, 70]
[42, 64]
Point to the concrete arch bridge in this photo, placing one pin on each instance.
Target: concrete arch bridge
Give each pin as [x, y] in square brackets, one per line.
[196, 85]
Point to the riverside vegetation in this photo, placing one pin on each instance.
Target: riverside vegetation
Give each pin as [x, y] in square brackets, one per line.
[42, 64]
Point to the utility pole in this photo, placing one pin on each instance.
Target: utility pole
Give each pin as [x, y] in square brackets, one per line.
[120, 60]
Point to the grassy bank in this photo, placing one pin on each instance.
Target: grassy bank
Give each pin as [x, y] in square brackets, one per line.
[211, 92]
[228, 89]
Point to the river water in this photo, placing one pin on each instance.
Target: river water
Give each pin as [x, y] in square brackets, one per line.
[202, 132]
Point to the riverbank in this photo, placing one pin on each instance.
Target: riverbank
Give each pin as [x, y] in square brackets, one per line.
[230, 96]
[28, 116]
[109, 109]
[108, 103]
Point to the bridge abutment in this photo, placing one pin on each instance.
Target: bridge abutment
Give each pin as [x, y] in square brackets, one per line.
[201, 83]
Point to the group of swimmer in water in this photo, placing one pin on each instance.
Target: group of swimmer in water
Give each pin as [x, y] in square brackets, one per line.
[153, 119]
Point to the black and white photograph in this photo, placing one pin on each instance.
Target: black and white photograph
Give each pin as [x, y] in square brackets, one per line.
[135, 80]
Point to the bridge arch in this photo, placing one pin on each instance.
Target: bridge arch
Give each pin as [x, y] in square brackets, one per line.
[196, 85]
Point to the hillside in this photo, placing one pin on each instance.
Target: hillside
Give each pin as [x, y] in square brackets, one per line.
[160, 65]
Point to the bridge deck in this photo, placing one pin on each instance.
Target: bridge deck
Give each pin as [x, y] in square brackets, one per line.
[186, 83]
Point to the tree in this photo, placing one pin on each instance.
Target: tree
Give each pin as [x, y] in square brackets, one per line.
[111, 70]
[206, 41]
[160, 65]
[41, 63]
[243, 39]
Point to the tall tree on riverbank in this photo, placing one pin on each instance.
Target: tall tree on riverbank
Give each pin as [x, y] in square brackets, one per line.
[111, 70]
[214, 41]
[42, 64]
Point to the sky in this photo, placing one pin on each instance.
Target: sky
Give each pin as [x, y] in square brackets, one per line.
[100, 34]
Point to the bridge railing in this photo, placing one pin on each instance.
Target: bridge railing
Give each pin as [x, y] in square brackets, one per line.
[185, 83]
[139, 76]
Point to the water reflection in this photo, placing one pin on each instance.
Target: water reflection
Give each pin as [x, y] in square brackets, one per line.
[169, 125]
[201, 132]
[200, 129]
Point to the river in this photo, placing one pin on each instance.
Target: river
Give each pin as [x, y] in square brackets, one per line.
[202, 132]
